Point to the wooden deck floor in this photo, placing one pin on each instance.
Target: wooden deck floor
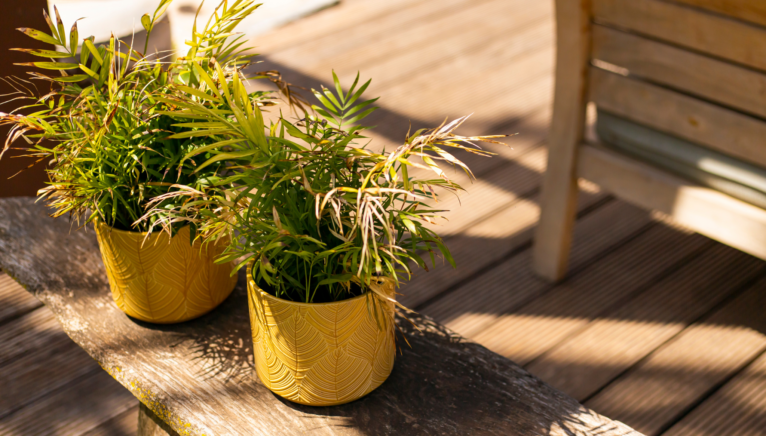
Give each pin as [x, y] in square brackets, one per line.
[656, 326]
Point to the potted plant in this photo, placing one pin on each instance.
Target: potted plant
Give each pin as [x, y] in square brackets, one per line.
[112, 148]
[327, 229]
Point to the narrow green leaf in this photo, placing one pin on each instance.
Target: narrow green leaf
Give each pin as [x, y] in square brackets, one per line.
[94, 51]
[71, 79]
[43, 53]
[36, 34]
[50, 65]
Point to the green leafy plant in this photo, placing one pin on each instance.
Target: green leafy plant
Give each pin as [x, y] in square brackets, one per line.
[317, 215]
[103, 122]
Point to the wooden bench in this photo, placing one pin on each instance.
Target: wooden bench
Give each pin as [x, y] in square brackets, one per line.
[694, 70]
[196, 378]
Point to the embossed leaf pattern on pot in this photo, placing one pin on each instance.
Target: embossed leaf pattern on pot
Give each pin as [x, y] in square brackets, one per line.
[321, 354]
[161, 279]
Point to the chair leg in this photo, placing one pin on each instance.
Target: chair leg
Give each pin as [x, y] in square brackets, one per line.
[553, 236]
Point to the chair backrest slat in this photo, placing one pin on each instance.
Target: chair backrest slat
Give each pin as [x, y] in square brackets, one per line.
[730, 85]
[753, 11]
[688, 27]
[725, 130]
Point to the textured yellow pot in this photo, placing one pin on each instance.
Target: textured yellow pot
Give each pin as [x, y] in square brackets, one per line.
[161, 279]
[321, 354]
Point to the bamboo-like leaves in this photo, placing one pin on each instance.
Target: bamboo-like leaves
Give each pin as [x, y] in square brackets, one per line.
[319, 216]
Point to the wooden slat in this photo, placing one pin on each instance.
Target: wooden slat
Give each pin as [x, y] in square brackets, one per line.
[718, 81]
[528, 329]
[484, 244]
[325, 24]
[34, 368]
[477, 27]
[739, 408]
[688, 27]
[71, 410]
[26, 334]
[748, 10]
[617, 340]
[510, 283]
[729, 132]
[704, 210]
[676, 376]
[558, 200]
[14, 300]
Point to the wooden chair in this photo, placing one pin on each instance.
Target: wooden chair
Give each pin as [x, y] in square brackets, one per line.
[691, 71]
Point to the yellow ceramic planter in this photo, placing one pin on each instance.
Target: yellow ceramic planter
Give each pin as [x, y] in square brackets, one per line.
[321, 354]
[161, 279]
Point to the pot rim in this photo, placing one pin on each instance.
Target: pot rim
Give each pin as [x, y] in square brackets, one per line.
[250, 279]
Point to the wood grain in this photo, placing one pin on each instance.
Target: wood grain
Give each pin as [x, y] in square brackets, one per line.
[739, 408]
[681, 372]
[687, 27]
[475, 304]
[712, 79]
[753, 11]
[184, 372]
[553, 237]
[616, 340]
[16, 301]
[704, 210]
[724, 130]
[532, 327]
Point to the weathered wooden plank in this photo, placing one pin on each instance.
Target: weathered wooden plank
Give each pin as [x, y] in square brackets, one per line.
[618, 339]
[553, 237]
[676, 376]
[748, 10]
[14, 300]
[704, 210]
[739, 408]
[510, 282]
[71, 410]
[184, 373]
[688, 27]
[727, 131]
[522, 329]
[722, 82]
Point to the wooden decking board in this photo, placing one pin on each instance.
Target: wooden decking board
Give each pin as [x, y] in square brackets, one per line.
[456, 97]
[15, 300]
[325, 23]
[481, 31]
[616, 340]
[484, 244]
[738, 409]
[314, 50]
[41, 371]
[72, 409]
[697, 361]
[511, 282]
[524, 333]
[28, 333]
[124, 424]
